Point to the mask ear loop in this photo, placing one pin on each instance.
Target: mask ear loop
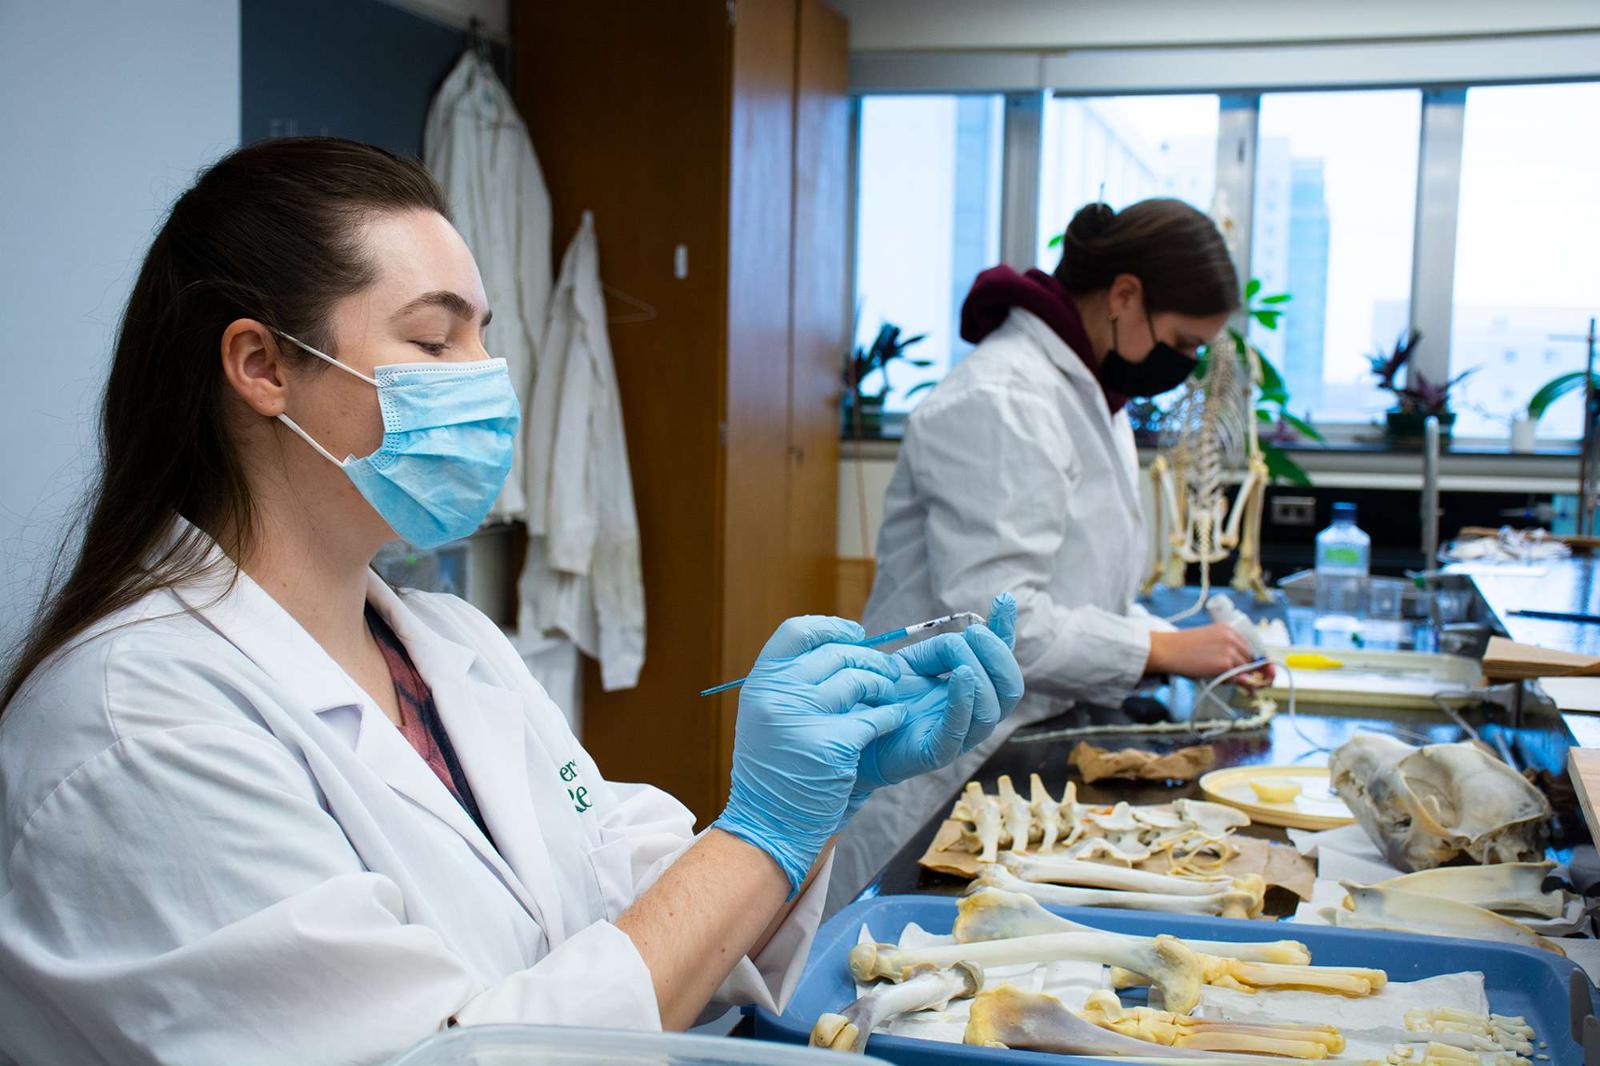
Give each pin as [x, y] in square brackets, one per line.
[286, 420]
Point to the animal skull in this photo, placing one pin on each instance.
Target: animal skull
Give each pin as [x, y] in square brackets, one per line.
[1424, 806]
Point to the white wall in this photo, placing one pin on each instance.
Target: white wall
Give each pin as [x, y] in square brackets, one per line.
[1044, 25]
[107, 108]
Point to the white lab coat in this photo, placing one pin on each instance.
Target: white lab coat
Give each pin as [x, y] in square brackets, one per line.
[476, 146]
[1015, 477]
[581, 578]
[219, 850]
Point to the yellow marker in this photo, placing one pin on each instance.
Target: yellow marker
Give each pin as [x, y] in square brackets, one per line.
[1269, 791]
[1312, 661]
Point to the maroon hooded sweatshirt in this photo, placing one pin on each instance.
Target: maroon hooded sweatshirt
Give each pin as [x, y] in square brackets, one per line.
[998, 289]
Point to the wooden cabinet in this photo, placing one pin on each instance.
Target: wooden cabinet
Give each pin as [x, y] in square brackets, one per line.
[710, 135]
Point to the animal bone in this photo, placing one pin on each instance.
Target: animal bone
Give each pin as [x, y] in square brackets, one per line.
[1424, 806]
[1101, 849]
[1246, 976]
[1475, 1032]
[1176, 1030]
[985, 813]
[1167, 963]
[1015, 813]
[932, 990]
[1118, 820]
[1214, 818]
[1372, 907]
[1505, 886]
[1228, 902]
[1157, 818]
[1046, 812]
[1056, 869]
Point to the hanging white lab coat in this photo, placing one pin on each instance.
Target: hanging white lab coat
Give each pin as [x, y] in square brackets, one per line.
[581, 578]
[476, 146]
[217, 849]
[1014, 476]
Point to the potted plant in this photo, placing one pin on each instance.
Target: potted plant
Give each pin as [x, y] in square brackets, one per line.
[1550, 392]
[1418, 398]
[862, 411]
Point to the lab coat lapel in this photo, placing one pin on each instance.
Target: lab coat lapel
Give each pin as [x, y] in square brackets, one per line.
[488, 729]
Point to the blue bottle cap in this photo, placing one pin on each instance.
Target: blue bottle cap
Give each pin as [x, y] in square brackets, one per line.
[1344, 512]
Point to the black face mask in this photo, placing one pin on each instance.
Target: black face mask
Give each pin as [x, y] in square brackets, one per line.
[1163, 369]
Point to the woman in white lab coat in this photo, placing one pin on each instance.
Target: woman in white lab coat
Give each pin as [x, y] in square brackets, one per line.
[1019, 472]
[259, 807]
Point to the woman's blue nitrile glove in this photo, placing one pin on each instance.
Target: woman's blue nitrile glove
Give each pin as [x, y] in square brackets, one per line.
[810, 705]
[956, 689]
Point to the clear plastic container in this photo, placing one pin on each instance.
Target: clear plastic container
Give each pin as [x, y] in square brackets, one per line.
[560, 1045]
[1343, 556]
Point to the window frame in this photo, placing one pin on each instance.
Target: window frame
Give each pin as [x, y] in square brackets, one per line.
[1443, 71]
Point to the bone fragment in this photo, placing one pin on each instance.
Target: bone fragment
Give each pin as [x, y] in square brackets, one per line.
[1214, 818]
[1372, 907]
[1103, 849]
[1176, 1030]
[1016, 816]
[1227, 901]
[1166, 962]
[1475, 1032]
[985, 813]
[1055, 869]
[1517, 887]
[1120, 819]
[932, 990]
[1046, 813]
[994, 914]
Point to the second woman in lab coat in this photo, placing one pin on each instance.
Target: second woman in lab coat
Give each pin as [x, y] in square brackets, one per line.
[261, 808]
[1019, 472]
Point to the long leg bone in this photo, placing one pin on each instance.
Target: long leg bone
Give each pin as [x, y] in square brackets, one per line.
[1046, 812]
[1015, 814]
[933, 990]
[993, 914]
[1167, 963]
[1227, 902]
[1372, 907]
[1246, 976]
[1201, 1034]
[1054, 869]
[1505, 886]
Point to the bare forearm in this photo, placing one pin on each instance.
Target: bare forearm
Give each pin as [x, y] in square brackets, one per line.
[706, 912]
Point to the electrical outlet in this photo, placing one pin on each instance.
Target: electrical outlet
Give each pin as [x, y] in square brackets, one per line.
[1294, 510]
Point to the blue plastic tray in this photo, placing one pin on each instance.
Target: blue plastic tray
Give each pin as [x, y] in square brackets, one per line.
[1519, 980]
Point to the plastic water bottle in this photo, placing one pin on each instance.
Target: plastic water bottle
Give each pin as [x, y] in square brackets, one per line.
[1343, 557]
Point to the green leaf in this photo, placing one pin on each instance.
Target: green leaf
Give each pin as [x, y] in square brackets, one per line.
[919, 362]
[1553, 390]
[1280, 467]
[1252, 287]
[1056, 241]
[913, 390]
[1263, 415]
[1269, 319]
[1280, 298]
[1272, 382]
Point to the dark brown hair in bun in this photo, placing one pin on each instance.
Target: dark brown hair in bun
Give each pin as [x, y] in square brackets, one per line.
[1174, 250]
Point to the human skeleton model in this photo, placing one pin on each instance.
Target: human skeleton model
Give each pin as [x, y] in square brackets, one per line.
[1212, 431]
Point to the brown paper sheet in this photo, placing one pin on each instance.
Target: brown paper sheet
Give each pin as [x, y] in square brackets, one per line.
[1185, 764]
[1510, 661]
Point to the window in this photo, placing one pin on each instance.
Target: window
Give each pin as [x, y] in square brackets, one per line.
[1131, 147]
[928, 220]
[1527, 250]
[1333, 228]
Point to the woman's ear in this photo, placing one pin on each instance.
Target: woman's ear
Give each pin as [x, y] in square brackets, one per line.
[1125, 295]
[252, 361]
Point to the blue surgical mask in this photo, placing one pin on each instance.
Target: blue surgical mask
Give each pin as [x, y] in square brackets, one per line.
[448, 433]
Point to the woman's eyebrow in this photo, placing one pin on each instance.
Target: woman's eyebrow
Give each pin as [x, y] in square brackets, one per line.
[455, 303]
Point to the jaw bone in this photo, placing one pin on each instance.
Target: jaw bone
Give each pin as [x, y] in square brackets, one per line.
[1177, 1030]
[1506, 886]
[1424, 806]
[1166, 962]
[1015, 814]
[1227, 901]
[932, 990]
[994, 914]
[1373, 907]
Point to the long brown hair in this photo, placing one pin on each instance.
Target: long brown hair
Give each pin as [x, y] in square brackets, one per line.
[1173, 249]
[270, 232]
